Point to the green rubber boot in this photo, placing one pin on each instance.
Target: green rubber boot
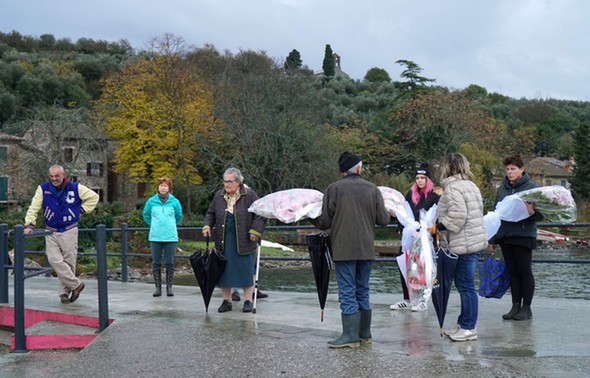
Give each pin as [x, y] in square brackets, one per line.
[350, 332]
[365, 327]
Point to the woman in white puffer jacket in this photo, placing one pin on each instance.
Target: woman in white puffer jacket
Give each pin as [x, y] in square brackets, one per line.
[460, 222]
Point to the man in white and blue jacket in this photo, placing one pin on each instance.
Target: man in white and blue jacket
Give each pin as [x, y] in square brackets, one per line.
[62, 202]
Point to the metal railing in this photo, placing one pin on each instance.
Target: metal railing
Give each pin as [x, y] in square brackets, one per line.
[18, 266]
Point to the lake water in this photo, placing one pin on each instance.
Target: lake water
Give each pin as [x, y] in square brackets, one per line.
[552, 279]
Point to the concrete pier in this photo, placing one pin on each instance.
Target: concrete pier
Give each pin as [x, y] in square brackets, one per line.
[174, 337]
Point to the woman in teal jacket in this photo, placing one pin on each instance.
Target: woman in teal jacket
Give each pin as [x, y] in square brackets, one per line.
[162, 212]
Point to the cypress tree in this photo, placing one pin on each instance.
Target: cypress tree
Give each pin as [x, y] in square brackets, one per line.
[329, 64]
[293, 60]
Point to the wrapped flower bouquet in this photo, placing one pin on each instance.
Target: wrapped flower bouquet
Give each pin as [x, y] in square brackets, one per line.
[290, 205]
[554, 202]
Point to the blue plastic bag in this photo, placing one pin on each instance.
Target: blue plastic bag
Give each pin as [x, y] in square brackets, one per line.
[494, 278]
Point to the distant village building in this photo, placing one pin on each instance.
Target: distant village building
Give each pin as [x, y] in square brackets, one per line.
[24, 164]
[14, 185]
[546, 171]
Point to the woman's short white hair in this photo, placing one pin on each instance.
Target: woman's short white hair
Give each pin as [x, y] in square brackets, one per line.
[236, 173]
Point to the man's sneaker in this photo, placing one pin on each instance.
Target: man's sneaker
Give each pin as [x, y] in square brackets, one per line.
[402, 305]
[464, 335]
[235, 296]
[64, 298]
[422, 306]
[452, 331]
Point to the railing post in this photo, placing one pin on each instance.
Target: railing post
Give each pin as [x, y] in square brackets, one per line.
[19, 290]
[124, 250]
[3, 263]
[101, 264]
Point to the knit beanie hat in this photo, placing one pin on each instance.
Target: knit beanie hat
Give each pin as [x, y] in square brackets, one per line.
[423, 170]
[348, 160]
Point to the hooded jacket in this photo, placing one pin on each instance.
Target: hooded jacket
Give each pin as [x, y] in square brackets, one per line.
[162, 218]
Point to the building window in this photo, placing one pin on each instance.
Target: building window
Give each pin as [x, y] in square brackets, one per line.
[94, 169]
[548, 182]
[100, 193]
[3, 188]
[68, 154]
[564, 183]
[3, 153]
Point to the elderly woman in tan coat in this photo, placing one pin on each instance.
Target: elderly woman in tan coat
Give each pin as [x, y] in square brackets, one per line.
[460, 222]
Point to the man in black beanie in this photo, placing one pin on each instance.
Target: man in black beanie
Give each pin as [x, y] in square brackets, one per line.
[351, 208]
[347, 160]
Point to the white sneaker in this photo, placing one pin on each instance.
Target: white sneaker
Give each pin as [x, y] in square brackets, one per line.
[452, 331]
[464, 335]
[402, 305]
[422, 306]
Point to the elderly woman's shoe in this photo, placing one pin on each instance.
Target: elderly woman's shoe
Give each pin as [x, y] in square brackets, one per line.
[225, 306]
[247, 306]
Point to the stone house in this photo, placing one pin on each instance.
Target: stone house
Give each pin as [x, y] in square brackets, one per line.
[86, 157]
[546, 171]
[14, 185]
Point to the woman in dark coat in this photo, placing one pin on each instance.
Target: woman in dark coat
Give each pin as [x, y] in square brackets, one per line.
[236, 233]
[517, 241]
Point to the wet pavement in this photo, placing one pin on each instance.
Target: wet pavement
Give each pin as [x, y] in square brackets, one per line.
[152, 337]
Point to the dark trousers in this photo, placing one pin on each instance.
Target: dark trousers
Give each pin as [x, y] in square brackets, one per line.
[519, 263]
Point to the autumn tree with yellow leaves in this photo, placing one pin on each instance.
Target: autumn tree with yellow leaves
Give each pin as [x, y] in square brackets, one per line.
[156, 109]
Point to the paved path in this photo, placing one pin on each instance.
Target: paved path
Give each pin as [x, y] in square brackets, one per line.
[154, 337]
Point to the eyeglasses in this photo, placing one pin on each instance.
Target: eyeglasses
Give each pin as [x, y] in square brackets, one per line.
[229, 181]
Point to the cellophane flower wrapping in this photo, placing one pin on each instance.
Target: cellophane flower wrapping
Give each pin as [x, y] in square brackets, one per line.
[554, 202]
[421, 266]
[396, 201]
[290, 205]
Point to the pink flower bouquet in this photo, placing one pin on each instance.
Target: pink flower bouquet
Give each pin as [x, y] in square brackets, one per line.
[290, 205]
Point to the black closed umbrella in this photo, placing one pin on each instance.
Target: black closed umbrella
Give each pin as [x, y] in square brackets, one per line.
[208, 265]
[319, 247]
[446, 262]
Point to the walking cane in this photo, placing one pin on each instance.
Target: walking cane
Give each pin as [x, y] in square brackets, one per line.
[257, 272]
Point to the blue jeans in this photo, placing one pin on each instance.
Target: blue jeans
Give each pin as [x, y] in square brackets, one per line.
[168, 248]
[465, 283]
[353, 285]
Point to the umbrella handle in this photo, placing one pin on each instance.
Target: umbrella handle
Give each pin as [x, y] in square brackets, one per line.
[207, 243]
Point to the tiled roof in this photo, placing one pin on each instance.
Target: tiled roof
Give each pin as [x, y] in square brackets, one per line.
[548, 166]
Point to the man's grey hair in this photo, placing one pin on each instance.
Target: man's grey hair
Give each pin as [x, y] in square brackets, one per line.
[354, 167]
[237, 174]
[57, 167]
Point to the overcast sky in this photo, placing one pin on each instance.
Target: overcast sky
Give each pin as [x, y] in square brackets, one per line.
[519, 48]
